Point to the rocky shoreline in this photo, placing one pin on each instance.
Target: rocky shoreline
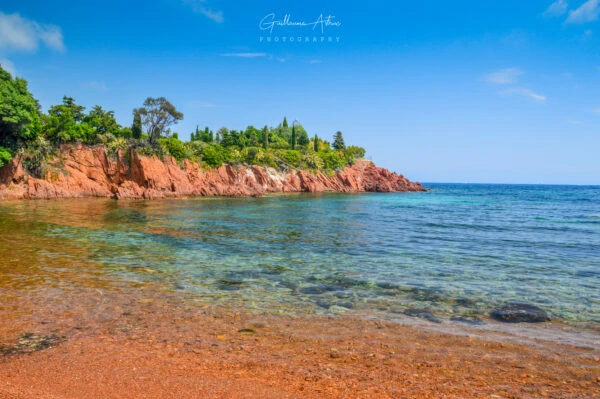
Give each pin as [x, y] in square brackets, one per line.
[82, 171]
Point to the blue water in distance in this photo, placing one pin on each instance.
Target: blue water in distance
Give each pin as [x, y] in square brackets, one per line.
[459, 249]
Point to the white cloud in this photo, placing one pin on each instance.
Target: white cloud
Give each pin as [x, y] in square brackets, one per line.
[521, 91]
[556, 9]
[587, 12]
[18, 33]
[8, 66]
[244, 55]
[504, 76]
[200, 7]
[95, 85]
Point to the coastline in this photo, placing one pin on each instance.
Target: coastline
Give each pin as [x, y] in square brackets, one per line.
[132, 342]
[81, 172]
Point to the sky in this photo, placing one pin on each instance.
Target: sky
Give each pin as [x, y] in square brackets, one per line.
[440, 91]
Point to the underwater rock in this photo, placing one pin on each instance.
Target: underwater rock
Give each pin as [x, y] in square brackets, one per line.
[519, 312]
[30, 342]
[314, 289]
[422, 314]
[467, 319]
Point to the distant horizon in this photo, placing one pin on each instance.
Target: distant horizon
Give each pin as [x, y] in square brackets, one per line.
[463, 91]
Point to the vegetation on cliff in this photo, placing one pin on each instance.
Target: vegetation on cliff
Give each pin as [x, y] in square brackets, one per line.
[36, 136]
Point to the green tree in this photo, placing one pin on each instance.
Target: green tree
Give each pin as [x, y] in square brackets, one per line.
[19, 112]
[265, 137]
[338, 141]
[303, 139]
[61, 126]
[285, 123]
[158, 114]
[316, 143]
[136, 128]
[101, 121]
[293, 142]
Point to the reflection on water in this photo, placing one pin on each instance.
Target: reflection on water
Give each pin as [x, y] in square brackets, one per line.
[454, 253]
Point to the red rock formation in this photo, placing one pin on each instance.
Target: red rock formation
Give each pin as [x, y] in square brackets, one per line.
[88, 172]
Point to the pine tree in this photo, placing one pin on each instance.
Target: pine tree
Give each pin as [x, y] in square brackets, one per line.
[338, 142]
[136, 128]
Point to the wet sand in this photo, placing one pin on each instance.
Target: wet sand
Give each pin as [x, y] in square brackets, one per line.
[139, 341]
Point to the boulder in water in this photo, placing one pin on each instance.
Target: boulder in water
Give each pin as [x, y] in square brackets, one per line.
[519, 312]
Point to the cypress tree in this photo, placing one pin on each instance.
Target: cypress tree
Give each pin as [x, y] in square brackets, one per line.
[316, 143]
[265, 134]
[285, 123]
[293, 137]
[136, 128]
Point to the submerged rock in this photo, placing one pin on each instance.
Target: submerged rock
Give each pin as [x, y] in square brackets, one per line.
[30, 342]
[422, 314]
[519, 312]
[467, 319]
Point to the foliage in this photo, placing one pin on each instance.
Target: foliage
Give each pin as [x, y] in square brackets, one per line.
[19, 112]
[338, 142]
[136, 127]
[101, 121]
[332, 160]
[35, 155]
[175, 147]
[5, 156]
[313, 161]
[212, 155]
[117, 144]
[158, 114]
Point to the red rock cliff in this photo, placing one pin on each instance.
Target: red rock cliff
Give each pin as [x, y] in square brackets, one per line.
[89, 172]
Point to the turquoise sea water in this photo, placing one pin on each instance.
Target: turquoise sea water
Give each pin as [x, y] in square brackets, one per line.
[456, 250]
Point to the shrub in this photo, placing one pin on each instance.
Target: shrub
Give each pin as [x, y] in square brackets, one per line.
[212, 155]
[332, 159]
[174, 146]
[5, 156]
[117, 144]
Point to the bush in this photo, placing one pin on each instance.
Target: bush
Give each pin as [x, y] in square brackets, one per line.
[313, 161]
[35, 155]
[212, 155]
[175, 147]
[332, 159]
[292, 158]
[117, 144]
[5, 156]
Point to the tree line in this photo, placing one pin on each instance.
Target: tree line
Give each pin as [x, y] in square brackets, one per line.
[36, 136]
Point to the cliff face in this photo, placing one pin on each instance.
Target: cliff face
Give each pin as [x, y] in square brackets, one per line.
[89, 172]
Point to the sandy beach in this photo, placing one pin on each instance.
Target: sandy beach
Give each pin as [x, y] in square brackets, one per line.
[139, 342]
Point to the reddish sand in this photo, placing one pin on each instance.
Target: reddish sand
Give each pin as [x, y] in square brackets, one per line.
[130, 345]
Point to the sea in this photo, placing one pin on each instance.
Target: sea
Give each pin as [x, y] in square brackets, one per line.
[453, 254]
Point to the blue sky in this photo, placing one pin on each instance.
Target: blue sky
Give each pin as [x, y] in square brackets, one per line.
[442, 91]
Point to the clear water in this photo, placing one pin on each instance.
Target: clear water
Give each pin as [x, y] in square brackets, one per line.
[457, 250]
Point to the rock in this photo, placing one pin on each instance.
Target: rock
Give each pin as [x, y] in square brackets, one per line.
[519, 312]
[313, 289]
[423, 314]
[467, 319]
[30, 342]
[82, 171]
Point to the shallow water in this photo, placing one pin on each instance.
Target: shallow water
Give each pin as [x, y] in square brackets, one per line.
[457, 250]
